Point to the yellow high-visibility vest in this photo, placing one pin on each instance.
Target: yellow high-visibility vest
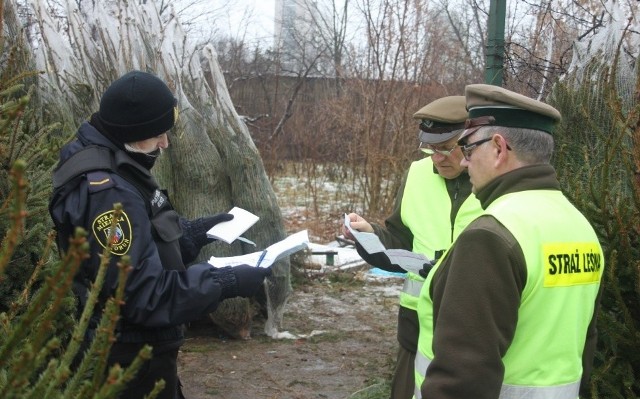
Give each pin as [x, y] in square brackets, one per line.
[565, 263]
[426, 211]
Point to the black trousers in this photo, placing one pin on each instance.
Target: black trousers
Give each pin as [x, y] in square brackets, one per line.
[403, 381]
[163, 365]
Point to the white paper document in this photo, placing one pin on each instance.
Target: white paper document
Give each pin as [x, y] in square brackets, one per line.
[270, 255]
[369, 241]
[409, 261]
[230, 231]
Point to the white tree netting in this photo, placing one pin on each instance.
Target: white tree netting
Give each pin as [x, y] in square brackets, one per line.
[616, 40]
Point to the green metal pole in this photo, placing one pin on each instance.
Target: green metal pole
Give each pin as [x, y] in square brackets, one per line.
[495, 42]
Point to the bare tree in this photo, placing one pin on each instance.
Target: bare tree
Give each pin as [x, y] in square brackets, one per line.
[330, 22]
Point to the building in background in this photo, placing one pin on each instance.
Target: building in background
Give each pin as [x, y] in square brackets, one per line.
[297, 37]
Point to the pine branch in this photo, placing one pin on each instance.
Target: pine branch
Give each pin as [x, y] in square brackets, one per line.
[23, 299]
[35, 333]
[95, 358]
[39, 390]
[24, 327]
[17, 216]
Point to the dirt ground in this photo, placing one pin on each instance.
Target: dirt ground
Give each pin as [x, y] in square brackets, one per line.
[350, 353]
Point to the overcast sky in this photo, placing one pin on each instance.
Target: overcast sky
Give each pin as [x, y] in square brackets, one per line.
[250, 20]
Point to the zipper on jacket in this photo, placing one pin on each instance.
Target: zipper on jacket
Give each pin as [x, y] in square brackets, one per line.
[452, 217]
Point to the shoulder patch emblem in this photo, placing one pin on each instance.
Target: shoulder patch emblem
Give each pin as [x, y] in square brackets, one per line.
[123, 236]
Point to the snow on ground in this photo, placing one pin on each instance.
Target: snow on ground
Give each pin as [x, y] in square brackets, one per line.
[334, 257]
[319, 207]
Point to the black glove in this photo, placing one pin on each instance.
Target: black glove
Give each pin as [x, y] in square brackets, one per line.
[194, 234]
[249, 279]
[379, 260]
[426, 268]
[242, 280]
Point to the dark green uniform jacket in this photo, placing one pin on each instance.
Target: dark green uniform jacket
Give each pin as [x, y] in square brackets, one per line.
[491, 257]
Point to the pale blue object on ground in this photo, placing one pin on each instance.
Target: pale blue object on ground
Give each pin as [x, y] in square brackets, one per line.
[379, 272]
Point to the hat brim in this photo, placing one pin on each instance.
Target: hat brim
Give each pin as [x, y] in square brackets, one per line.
[472, 125]
[468, 132]
[437, 138]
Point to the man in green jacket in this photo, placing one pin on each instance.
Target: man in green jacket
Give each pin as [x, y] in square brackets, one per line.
[509, 311]
[432, 207]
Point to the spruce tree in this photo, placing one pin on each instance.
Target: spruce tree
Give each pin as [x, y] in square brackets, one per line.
[597, 159]
[23, 135]
[40, 337]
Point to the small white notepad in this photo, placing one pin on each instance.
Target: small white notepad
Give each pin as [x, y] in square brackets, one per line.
[231, 230]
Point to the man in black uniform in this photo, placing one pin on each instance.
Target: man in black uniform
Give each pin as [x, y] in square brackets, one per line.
[109, 162]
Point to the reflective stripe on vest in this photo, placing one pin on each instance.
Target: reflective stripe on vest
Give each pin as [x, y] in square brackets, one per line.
[425, 318]
[426, 211]
[420, 368]
[412, 287]
[567, 391]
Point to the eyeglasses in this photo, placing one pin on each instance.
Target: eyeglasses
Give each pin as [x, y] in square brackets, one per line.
[467, 149]
[430, 150]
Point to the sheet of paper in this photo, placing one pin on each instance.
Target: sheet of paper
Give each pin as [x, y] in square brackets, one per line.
[274, 252]
[369, 241]
[246, 259]
[409, 261]
[231, 230]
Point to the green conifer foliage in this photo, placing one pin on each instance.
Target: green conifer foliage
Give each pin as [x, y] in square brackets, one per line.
[597, 156]
[23, 135]
[39, 334]
[36, 361]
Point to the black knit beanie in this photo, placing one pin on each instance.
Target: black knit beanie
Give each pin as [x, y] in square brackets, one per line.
[136, 107]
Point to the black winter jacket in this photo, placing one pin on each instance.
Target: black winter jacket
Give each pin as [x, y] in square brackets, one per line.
[160, 294]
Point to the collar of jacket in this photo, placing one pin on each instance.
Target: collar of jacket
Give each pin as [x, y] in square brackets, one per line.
[89, 134]
[532, 177]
